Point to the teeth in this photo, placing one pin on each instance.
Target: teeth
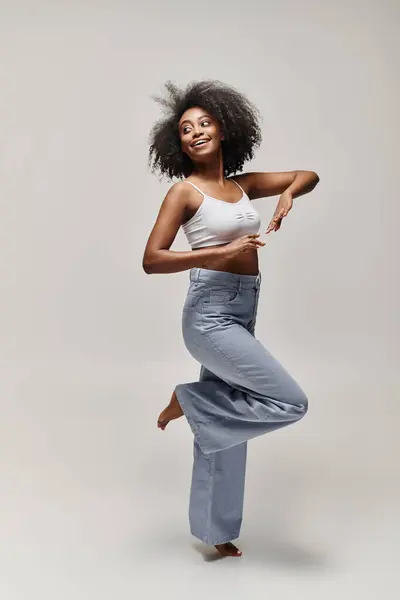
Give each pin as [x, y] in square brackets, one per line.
[200, 142]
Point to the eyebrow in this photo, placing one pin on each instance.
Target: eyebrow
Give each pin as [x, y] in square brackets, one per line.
[188, 121]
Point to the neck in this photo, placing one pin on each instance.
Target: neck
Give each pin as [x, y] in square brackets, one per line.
[212, 170]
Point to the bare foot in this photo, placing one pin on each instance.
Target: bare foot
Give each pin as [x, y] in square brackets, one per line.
[172, 411]
[228, 549]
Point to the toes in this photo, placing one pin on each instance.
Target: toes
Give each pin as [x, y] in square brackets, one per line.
[228, 549]
[233, 550]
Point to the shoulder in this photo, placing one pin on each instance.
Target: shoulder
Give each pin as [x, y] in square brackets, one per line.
[180, 190]
[178, 194]
[179, 199]
[243, 180]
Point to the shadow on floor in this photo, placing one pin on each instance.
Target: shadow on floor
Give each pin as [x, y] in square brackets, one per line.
[274, 552]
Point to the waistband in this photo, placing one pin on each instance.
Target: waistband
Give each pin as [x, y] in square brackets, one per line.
[236, 280]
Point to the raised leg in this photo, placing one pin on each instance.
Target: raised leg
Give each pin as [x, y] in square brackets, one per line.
[252, 393]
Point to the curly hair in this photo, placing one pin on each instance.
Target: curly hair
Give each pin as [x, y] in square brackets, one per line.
[237, 116]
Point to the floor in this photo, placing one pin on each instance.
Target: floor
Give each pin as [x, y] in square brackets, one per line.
[93, 499]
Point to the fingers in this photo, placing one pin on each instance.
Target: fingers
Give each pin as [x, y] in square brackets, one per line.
[251, 242]
[276, 222]
[272, 224]
[270, 227]
[252, 239]
[256, 243]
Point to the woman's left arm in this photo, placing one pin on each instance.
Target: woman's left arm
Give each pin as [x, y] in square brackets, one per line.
[289, 184]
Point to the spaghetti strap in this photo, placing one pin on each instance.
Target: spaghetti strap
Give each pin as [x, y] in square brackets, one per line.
[195, 186]
[238, 185]
[199, 190]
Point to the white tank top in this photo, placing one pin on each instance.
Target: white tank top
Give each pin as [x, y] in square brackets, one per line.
[220, 222]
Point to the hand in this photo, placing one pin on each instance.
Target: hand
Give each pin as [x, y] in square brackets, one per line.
[242, 244]
[284, 205]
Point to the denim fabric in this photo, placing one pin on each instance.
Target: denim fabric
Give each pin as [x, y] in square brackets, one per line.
[242, 392]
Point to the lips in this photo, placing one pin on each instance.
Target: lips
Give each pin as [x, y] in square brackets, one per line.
[196, 144]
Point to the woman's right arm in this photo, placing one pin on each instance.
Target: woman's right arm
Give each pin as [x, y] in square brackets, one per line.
[158, 258]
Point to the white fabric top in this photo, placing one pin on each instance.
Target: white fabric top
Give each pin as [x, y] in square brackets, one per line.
[220, 222]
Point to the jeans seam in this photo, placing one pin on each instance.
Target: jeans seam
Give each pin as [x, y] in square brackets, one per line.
[210, 493]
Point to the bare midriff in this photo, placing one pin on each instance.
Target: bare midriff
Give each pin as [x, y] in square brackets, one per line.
[245, 263]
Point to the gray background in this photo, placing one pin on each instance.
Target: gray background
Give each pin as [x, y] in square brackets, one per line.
[93, 498]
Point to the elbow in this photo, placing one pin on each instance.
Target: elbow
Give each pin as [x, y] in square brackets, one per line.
[315, 178]
[150, 263]
[313, 181]
[146, 268]
[147, 265]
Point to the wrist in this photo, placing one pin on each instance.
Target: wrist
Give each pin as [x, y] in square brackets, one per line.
[221, 250]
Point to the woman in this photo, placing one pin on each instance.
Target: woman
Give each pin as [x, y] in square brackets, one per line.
[209, 131]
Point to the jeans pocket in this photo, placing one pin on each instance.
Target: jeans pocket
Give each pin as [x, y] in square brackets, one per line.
[221, 296]
[195, 293]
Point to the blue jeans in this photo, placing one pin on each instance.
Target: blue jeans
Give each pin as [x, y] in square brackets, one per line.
[242, 392]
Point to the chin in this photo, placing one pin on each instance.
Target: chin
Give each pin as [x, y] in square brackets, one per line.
[204, 155]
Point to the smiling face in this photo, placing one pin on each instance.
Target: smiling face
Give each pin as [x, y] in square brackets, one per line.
[200, 134]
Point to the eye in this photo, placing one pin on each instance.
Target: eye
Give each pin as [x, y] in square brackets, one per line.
[185, 129]
[207, 122]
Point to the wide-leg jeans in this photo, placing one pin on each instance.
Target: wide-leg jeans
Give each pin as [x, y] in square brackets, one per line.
[242, 392]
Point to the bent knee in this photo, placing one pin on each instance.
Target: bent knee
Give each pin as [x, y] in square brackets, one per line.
[298, 399]
[302, 403]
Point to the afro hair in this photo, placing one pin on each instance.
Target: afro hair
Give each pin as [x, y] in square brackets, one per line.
[237, 116]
